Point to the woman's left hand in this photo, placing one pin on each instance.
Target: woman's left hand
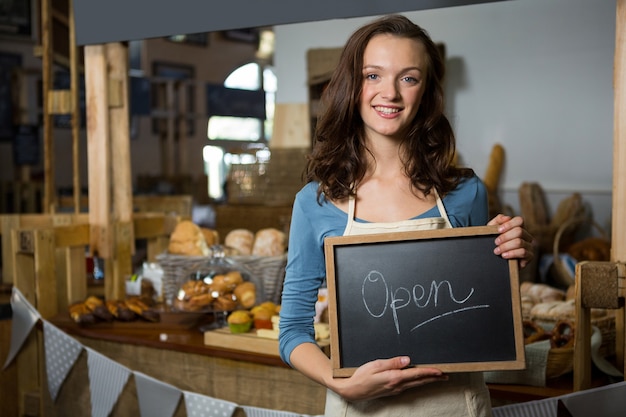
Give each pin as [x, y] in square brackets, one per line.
[514, 241]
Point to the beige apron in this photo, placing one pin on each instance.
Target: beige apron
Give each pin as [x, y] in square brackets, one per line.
[464, 394]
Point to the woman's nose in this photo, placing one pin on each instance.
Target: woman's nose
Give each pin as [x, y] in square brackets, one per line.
[389, 90]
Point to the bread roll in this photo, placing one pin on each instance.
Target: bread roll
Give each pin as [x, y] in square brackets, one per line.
[188, 239]
[246, 294]
[211, 236]
[541, 292]
[269, 242]
[241, 240]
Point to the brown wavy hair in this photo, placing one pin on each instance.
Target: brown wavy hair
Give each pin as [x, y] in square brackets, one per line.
[338, 159]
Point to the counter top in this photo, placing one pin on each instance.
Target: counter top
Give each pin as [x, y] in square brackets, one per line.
[179, 337]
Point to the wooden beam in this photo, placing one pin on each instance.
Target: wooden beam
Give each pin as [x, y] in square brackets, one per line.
[98, 150]
[618, 234]
[76, 121]
[49, 193]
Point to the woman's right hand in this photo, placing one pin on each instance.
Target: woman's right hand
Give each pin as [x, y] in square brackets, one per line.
[384, 377]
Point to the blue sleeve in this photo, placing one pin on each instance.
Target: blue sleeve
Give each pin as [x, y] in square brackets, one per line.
[304, 274]
[467, 205]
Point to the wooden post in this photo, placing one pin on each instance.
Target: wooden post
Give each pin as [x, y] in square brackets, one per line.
[119, 128]
[108, 139]
[35, 277]
[618, 235]
[74, 89]
[46, 82]
[598, 285]
[169, 169]
[98, 150]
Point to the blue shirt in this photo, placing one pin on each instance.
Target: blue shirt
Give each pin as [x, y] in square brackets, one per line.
[306, 266]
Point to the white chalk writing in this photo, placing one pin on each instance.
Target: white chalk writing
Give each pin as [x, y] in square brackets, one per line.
[375, 287]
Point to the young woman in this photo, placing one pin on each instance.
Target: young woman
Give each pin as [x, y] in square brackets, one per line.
[383, 161]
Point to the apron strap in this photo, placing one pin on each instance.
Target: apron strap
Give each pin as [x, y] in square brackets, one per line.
[351, 209]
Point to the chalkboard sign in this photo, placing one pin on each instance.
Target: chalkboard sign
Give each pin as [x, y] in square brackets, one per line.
[439, 296]
[234, 102]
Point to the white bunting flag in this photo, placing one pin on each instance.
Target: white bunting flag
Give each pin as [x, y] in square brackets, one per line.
[62, 351]
[107, 379]
[24, 318]
[202, 406]
[156, 398]
[264, 412]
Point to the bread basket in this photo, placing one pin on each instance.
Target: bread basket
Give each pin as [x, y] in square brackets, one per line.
[561, 360]
[269, 269]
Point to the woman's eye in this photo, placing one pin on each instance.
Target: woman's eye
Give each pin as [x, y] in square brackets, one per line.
[411, 80]
[371, 76]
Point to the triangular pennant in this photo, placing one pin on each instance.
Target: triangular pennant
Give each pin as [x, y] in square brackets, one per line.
[62, 351]
[107, 379]
[202, 406]
[24, 318]
[156, 398]
[539, 408]
[264, 412]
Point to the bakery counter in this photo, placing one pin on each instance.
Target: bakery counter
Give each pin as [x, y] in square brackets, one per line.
[176, 354]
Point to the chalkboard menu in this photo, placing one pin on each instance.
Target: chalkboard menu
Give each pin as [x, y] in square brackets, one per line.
[439, 296]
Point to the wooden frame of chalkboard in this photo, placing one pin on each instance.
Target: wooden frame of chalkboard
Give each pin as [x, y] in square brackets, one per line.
[442, 297]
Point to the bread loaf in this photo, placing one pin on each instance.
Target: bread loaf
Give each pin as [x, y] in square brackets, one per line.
[188, 239]
[541, 293]
[211, 236]
[240, 240]
[269, 242]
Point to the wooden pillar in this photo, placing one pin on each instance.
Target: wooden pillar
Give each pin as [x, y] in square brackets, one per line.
[76, 122]
[35, 277]
[618, 235]
[49, 193]
[169, 169]
[98, 150]
[108, 141]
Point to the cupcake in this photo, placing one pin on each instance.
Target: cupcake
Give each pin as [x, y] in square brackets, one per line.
[262, 318]
[239, 321]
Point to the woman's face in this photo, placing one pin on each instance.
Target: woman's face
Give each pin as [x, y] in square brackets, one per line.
[394, 77]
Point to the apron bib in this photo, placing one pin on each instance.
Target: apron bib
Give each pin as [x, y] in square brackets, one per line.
[464, 394]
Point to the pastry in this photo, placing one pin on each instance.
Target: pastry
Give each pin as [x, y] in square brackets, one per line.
[211, 236]
[188, 239]
[269, 242]
[541, 292]
[533, 332]
[225, 302]
[262, 318]
[239, 321]
[246, 294]
[240, 240]
[563, 335]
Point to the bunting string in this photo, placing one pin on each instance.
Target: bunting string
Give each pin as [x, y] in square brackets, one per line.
[108, 378]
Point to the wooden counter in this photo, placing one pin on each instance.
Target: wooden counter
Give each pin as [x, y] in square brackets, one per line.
[177, 355]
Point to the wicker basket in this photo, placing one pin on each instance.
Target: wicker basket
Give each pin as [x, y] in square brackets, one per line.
[561, 360]
[562, 275]
[269, 270]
